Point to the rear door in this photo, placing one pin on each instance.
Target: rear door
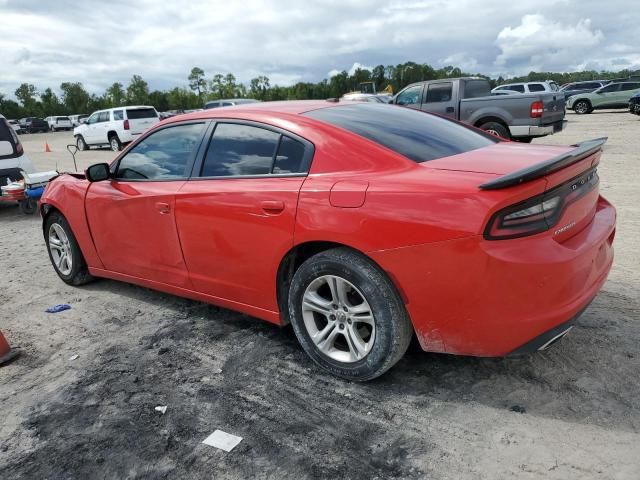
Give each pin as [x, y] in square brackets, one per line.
[439, 98]
[627, 90]
[141, 118]
[236, 215]
[606, 97]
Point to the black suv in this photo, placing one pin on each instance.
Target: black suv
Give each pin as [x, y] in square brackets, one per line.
[33, 125]
[576, 88]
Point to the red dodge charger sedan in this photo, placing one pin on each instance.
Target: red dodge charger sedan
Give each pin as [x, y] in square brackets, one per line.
[358, 223]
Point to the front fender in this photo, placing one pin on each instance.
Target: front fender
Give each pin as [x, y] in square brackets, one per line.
[66, 194]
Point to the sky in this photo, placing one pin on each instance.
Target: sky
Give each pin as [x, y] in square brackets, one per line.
[99, 42]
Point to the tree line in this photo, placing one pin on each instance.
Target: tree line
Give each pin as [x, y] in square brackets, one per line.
[74, 98]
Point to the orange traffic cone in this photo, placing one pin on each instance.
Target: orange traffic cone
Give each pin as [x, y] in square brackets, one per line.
[46, 148]
[6, 354]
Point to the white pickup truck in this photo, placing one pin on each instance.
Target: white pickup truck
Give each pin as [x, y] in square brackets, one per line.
[59, 123]
[115, 127]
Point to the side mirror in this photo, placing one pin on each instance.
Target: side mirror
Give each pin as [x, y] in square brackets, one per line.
[98, 172]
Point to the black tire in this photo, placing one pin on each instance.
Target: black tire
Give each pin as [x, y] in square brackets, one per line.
[28, 206]
[523, 139]
[81, 144]
[114, 143]
[393, 329]
[582, 106]
[496, 129]
[78, 274]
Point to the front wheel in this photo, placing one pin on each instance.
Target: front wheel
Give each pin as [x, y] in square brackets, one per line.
[81, 144]
[347, 315]
[28, 206]
[64, 252]
[581, 107]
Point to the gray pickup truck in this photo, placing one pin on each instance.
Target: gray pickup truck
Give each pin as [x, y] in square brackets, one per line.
[520, 117]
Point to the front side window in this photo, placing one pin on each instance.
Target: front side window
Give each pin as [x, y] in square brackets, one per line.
[614, 87]
[164, 155]
[439, 92]
[93, 118]
[536, 87]
[410, 96]
[629, 86]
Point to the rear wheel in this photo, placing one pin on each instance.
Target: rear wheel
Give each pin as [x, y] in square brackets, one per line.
[81, 144]
[64, 252]
[347, 315]
[581, 107]
[28, 206]
[114, 143]
[497, 129]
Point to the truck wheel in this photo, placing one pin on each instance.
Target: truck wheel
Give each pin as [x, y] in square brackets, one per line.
[347, 315]
[28, 206]
[114, 143]
[497, 129]
[581, 107]
[81, 144]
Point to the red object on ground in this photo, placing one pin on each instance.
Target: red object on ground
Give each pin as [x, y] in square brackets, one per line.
[482, 271]
[46, 147]
[6, 354]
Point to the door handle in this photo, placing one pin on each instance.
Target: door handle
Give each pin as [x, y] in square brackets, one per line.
[272, 206]
[163, 208]
[449, 110]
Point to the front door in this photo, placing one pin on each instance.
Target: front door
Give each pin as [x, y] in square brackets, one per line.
[132, 216]
[236, 218]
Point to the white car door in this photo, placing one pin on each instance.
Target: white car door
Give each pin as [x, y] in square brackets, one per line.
[88, 133]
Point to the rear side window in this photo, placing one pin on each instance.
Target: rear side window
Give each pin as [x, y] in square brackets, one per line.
[476, 89]
[630, 86]
[136, 113]
[515, 88]
[439, 92]
[103, 117]
[417, 135]
[240, 150]
[536, 87]
[164, 155]
[117, 115]
[244, 150]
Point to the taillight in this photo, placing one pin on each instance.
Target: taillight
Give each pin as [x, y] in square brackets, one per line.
[537, 109]
[539, 213]
[126, 124]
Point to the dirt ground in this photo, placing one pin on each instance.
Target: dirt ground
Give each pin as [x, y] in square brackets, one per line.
[570, 412]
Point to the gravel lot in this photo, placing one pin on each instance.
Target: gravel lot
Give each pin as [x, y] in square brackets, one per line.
[571, 412]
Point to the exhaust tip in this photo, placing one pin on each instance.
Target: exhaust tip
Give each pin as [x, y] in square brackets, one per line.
[553, 340]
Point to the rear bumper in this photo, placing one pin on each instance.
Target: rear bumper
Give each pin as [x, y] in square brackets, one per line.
[537, 131]
[476, 297]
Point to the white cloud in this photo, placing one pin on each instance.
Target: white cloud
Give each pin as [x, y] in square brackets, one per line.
[543, 43]
[351, 71]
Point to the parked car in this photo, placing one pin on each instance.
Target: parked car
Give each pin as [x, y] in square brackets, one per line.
[518, 117]
[528, 87]
[359, 234]
[13, 160]
[34, 125]
[59, 123]
[634, 104]
[613, 95]
[77, 119]
[577, 88]
[229, 102]
[115, 127]
[15, 125]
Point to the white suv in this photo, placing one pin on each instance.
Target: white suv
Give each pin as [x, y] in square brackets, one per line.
[13, 161]
[58, 123]
[115, 126]
[528, 87]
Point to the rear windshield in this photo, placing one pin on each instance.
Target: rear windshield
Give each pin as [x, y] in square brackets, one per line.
[417, 135]
[476, 89]
[135, 113]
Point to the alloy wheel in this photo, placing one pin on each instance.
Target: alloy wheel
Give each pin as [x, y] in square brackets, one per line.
[338, 319]
[60, 249]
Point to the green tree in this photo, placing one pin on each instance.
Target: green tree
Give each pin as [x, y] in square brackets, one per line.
[74, 97]
[116, 94]
[138, 91]
[197, 82]
[26, 93]
[50, 103]
[258, 87]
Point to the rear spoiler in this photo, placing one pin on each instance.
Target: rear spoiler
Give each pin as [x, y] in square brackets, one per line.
[582, 150]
